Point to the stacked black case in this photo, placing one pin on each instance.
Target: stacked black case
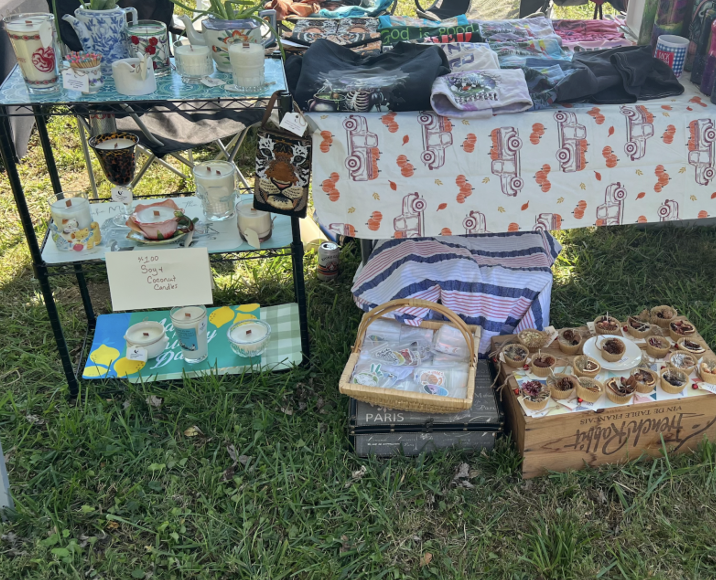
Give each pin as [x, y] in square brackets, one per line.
[384, 432]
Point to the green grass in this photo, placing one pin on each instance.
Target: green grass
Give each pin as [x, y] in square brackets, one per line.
[112, 488]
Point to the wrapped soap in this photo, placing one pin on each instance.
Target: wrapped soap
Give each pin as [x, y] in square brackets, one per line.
[449, 340]
[383, 330]
[443, 380]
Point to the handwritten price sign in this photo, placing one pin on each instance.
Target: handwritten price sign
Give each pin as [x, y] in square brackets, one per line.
[145, 279]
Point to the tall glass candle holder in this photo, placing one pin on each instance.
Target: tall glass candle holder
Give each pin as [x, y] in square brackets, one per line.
[34, 39]
[216, 188]
[193, 62]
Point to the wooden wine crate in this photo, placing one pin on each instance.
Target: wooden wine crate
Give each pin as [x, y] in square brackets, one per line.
[616, 435]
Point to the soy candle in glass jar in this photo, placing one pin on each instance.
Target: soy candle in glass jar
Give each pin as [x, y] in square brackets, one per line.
[249, 338]
[190, 327]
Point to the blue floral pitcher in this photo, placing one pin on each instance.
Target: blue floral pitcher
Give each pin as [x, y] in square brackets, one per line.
[104, 32]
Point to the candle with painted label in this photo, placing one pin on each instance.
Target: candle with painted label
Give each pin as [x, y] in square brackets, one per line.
[247, 64]
[193, 61]
[250, 218]
[249, 338]
[33, 39]
[216, 187]
[190, 326]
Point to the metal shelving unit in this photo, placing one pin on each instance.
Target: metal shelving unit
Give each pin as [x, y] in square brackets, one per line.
[15, 100]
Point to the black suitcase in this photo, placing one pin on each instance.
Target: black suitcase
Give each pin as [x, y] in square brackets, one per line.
[383, 432]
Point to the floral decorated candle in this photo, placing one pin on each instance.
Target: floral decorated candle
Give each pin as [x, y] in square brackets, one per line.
[34, 40]
[150, 37]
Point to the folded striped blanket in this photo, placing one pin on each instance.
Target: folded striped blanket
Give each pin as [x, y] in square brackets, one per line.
[500, 282]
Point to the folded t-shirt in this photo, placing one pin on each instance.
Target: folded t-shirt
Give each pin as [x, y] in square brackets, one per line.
[480, 94]
[394, 29]
[330, 78]
[515, 29]
[464, 56]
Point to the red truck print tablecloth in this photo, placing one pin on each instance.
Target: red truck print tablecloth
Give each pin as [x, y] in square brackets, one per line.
[398, 175]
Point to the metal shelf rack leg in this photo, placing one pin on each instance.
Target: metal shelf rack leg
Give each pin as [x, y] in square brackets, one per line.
[7, 149]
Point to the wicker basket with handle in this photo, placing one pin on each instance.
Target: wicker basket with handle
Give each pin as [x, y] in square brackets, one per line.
[403, 400]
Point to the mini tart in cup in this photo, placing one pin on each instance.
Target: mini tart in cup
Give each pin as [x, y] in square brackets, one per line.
[674, 381]
[515, 355]
[657, 346]
[606, 324]
[682, 361]
[707, 370]
[570, 341]
[533, 339]
[620, 390]
[681, 329]
[646, 380]
[589, 389]
[535, 395]
[562, 386]
[612, 349]
[585, 366]
[638, 328]
[691, 346]
[663, 315]
[542, 365]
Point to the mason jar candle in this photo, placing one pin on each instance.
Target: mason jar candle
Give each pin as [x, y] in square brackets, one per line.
[249, 338]
[71, 220]
[247, 64]
[34, 39]
[250, 218]
[193, 62]
[216, 188]
[190, 327]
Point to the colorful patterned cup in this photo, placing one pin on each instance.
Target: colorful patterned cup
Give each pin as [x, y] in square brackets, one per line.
[150, 37]
[672, 50]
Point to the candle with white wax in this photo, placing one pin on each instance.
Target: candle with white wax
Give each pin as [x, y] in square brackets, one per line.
[118, 143]
[190, 326]
[216, 187]
[71, 212]
[154, 215]
[247, 64]
[193, 61]
[148, 335]
[249, 338]
[33, 39]
[250, 218]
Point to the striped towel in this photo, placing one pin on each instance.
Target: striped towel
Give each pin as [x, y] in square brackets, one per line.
[500, 282]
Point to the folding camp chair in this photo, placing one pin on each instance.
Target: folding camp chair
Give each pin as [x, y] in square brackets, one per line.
[442, 9]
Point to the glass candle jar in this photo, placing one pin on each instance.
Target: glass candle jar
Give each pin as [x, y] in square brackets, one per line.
[249, 338]
[216, 188]
[34, 40]
[250, 218]
[150, 37]
[193, 62]
[190, 327]
[71, 225]
[247, 65]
